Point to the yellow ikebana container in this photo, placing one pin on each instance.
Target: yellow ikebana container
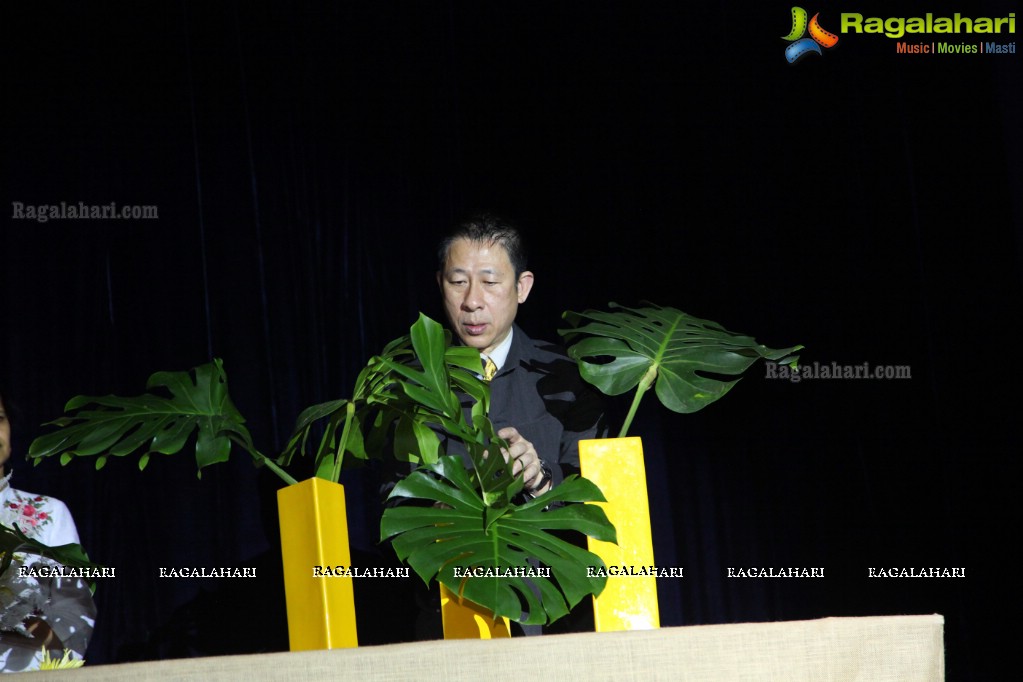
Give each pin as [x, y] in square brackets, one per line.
[628, 602]
[463, 619]
[314, 532]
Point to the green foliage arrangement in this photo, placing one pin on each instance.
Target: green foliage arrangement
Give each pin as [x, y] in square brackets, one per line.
[470, 536]
[407, 394]
[664, 348]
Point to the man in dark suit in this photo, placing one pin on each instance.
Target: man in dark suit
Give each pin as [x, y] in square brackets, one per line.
[539, 403]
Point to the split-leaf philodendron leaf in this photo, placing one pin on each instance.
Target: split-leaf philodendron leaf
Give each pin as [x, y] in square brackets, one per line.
[482, 552]
[112, 426]
[677, 353]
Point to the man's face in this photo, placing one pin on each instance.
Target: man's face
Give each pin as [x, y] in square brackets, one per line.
[481, 292]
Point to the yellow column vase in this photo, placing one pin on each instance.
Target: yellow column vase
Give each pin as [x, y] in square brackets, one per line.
[464, 619]
[628, 602]
[314, 534]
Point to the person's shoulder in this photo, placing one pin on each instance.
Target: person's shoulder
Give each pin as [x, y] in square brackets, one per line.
[537, 348]
[36, 499]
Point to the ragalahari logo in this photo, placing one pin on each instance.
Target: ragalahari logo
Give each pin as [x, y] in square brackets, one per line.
[802, 46]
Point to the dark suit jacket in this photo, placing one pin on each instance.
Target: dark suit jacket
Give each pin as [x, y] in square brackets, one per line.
[540, 393]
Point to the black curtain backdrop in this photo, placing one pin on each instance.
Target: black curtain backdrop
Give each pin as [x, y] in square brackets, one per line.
[305, 156]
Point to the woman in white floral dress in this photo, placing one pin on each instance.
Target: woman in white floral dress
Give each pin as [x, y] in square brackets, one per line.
[37, 612]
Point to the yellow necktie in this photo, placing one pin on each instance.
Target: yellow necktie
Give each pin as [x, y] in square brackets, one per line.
[489, 369]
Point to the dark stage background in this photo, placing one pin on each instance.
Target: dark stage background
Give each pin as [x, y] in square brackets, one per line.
[304, 156]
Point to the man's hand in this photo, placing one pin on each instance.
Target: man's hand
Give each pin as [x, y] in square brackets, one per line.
[524, 460]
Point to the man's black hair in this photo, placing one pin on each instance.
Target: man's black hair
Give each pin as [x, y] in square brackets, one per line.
[487, 228]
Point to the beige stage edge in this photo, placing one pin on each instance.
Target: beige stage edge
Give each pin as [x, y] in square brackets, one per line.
[878, 649]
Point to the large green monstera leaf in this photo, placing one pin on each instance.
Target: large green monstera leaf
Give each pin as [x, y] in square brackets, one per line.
[676, 353]
[112, 426]
[482, 552]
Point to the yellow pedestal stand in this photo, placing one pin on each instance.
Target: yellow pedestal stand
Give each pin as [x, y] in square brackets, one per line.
[464, 619]
[314, 532]
[616, 466]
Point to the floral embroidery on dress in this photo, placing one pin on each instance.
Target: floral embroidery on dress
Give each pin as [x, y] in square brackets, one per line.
[29, 513]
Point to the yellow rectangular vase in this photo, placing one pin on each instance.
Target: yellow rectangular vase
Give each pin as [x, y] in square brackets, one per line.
[616, 466]
[314, 532]
[464, 619]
